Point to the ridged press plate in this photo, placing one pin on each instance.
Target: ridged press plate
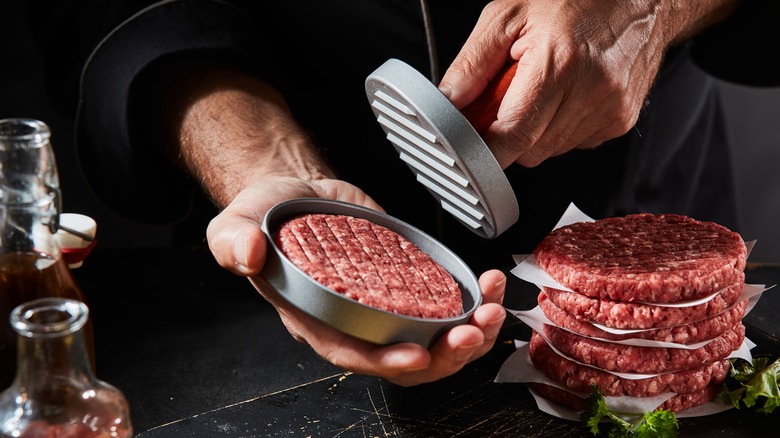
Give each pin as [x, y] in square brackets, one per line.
[441, 147]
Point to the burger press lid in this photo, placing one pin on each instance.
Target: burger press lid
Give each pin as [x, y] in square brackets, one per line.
[442, 148]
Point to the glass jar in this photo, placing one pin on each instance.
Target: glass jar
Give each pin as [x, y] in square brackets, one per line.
[31, 261]
[55, 393]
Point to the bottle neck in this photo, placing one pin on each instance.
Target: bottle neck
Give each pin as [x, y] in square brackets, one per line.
[29, 228]
[51, 346]
[62, 359]
[29, 188]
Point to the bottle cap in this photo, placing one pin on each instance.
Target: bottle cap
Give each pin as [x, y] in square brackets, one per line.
[76, 236]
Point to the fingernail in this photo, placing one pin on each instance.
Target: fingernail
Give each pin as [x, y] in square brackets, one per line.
[240, 250]
[445, 90]
[492, 335]
[463, 353]
[500, 284]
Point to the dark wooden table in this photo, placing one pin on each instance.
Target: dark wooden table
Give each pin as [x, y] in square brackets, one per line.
[200, 354]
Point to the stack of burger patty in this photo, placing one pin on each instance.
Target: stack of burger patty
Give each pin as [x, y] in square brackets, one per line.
[622, 273]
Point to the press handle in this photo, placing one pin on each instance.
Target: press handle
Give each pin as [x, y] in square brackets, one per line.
[483, 112]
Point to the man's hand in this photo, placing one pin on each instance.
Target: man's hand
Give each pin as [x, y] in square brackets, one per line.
[239, 245]
[584, 68]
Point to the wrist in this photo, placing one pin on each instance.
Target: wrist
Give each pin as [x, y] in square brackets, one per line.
[231, 129]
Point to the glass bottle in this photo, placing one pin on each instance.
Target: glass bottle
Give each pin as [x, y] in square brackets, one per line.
[55, 393]
[31, 262]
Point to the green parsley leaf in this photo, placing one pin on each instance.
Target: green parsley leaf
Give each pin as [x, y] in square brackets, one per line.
[660, 423]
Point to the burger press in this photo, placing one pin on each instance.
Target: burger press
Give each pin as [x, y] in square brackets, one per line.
[441, 147]
[350, 316]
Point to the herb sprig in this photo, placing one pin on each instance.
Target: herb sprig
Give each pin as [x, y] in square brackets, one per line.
[658, 423]
[750, 386]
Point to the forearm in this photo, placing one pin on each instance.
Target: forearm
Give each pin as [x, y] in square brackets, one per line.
[230, 129]
[655, 24]
[689, 18]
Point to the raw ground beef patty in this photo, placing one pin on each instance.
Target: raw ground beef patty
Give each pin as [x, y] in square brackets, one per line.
[691, 333]
[643, 360]
[676, 403]
[370, 264]
[643, 257]
[627, 315]
[580, 378]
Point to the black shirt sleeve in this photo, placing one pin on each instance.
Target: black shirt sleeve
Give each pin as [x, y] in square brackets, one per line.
[132, 47]
[743, 49]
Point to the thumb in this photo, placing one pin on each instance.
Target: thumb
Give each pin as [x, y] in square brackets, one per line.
[464, 82]
[484, 54]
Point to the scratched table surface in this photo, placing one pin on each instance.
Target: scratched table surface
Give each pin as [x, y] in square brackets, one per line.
[199, 354]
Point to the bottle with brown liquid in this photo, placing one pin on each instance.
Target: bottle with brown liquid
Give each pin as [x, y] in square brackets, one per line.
[31, 261]
[55, 393]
